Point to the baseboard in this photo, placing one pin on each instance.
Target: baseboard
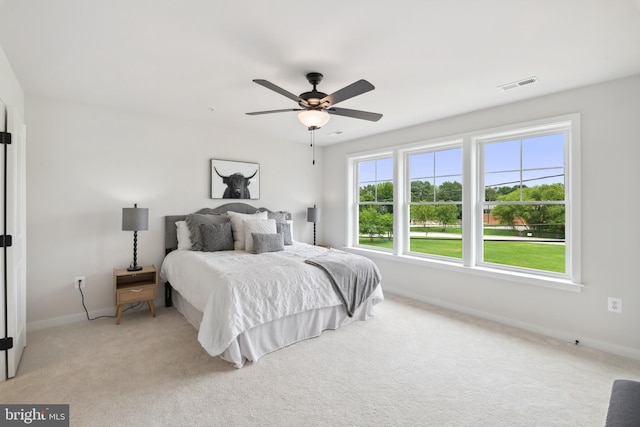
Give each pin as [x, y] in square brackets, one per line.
[78, 317]
[66, 320]
[553, 333]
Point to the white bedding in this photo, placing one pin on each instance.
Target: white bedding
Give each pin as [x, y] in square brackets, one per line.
[264, 288]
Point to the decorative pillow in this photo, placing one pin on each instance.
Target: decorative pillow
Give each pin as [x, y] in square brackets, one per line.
[184, 236]
[267, 243]
[257, 226]
[285, 230]
[237, 226]
[280, 216]
[290, 222]
[194, 221]
[216, 237]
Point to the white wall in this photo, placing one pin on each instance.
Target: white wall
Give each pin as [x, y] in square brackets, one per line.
[84, 164]
[610, 232]
[11, 92]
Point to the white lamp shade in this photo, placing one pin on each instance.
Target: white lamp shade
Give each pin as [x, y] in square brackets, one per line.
[314, 118]
[135, 219]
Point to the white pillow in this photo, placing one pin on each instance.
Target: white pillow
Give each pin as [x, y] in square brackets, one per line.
[263, 226]
[290, 222]
[237, 226]
[184, 236]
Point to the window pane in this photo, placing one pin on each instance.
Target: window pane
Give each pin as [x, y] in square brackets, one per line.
[501, 184]
[523, 235]
[540, 176]
[502, 156]
[375, 226]
[421, 166]
[449, 162]
[436, 230]
[384, 169]
[423, 191]
[375, 180]
[543, 152]
[366, 172]
[449, 189]
[436, 176]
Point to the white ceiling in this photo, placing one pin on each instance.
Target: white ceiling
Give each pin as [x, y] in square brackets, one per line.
[428, 59]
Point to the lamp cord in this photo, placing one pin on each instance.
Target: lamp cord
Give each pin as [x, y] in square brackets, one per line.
[98, 317]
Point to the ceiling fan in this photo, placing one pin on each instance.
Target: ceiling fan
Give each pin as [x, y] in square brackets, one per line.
[316, 107]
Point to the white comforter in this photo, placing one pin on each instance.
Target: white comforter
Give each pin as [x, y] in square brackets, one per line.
[237, 290]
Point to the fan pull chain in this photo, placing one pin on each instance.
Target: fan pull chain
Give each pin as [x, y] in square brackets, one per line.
[313, 145]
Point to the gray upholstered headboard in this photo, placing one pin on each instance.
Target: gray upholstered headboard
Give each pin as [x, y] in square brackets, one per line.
[170, 234]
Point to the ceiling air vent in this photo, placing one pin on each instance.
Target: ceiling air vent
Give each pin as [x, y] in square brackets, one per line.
[523, 82]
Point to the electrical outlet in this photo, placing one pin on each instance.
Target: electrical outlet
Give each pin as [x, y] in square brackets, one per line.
[614, 304]
[79, 282]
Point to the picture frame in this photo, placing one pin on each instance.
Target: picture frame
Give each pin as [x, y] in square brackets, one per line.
[234, 180]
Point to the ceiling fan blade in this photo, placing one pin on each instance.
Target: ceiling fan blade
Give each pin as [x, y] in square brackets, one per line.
[356, 114]
[354, 89]
[256, 113]
[277, 89]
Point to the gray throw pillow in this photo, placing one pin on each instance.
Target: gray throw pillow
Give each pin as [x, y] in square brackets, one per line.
[285, 230]
[267, 243]
[194, 221]
[280, 216]
[216, 237]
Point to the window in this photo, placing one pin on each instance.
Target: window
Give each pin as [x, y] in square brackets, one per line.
[375, 203]
[498, 201]
[435, 202]
[524, 202]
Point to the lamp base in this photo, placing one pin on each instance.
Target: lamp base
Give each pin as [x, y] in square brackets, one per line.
[135, 268]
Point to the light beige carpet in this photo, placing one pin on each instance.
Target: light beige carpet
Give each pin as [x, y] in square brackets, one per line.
[414, 364]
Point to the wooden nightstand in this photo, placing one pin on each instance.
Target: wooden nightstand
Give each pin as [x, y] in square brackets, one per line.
[135, 286]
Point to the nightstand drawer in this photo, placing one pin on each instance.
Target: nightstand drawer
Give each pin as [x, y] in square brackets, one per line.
[136, 293]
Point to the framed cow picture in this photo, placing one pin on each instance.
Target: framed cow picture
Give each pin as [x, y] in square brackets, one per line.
[234, 180]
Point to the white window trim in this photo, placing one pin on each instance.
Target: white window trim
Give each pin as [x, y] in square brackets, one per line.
[471, 182]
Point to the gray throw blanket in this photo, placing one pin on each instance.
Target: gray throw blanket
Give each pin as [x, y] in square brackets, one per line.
[353, 277]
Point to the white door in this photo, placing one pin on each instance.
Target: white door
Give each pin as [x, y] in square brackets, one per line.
[13, 223]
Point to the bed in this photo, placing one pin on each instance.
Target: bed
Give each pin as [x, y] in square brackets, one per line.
[265, 291]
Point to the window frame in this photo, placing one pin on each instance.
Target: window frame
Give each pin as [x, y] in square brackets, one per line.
[353, 215]
[435, 147]
[472, 202]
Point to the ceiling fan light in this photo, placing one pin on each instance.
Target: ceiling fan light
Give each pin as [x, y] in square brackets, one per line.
[314, 118]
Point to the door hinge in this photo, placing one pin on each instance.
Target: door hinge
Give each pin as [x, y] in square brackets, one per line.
[5, 138]
[6, 344]
[6, 241]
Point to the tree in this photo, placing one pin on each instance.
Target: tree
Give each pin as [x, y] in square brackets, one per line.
[385, 224]
[539, 217]
[422, 214]
[450, 192]
[385, 192]
[369, 222]
[368, 193]
[422, 191]
[446, 215]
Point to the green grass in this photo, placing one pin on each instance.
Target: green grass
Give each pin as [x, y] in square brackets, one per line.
[538, 256]
[443, 247]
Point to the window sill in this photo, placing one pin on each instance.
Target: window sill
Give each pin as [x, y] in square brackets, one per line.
[530, 279]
